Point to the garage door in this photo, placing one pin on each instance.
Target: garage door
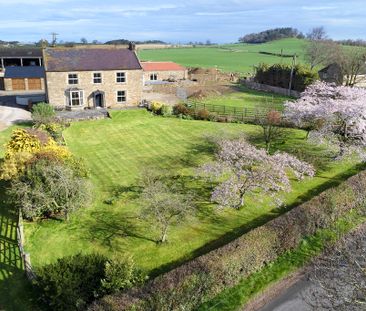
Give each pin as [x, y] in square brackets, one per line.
[18, 84]
[34, 84]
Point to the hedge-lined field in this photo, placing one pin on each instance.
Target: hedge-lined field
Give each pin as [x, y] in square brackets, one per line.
[230, 58]
[195, 282]
[117, 150]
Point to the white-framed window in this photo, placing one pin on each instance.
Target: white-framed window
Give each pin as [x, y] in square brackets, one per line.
[153, 77]
[76, 98]
[97, 77]
[121, 96]
[72, 78]
[120, 77]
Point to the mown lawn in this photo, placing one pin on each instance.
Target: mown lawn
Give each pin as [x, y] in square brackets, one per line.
[117, 150]
[246, 98]
[230, 58]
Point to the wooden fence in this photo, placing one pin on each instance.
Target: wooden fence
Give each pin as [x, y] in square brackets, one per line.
[234, 113]
[25, 256]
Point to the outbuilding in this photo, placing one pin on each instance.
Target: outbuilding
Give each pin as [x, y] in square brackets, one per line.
[163, 71]
[27, 78]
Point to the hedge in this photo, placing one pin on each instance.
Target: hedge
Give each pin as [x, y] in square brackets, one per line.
[199, 280]
[279, 75]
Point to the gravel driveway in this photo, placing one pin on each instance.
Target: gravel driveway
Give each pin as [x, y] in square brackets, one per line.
[12, 115]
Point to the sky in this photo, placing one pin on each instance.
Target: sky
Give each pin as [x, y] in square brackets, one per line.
[175, 21]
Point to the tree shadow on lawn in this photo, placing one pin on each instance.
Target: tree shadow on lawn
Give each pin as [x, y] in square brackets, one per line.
[316, 155]
[259, 221]
[16, 292]
[105, 227]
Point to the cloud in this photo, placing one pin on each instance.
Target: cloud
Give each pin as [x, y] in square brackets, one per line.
[124, 9]
[251, 12]
[318, 8]
[24, 24]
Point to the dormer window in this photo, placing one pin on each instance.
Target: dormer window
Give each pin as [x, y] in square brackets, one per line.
[73, 78]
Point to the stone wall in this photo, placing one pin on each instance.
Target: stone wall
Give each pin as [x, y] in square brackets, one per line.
[57, 86]
[166, 75]
[268, 88]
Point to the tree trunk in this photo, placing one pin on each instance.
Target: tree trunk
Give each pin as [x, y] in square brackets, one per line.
[163, 236]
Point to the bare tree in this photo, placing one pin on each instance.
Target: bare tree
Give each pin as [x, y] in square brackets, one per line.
[272, 129]
[322, 52]
[83, 41]
[339, 276]
[163, 203]
[317, 34]
[352, 62]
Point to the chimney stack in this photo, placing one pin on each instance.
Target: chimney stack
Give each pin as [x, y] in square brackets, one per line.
[132, 46]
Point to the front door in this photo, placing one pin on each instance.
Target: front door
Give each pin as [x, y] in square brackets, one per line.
[98, 99]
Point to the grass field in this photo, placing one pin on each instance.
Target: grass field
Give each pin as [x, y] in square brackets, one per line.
[117, 150]
[246, 98]
[230, 58]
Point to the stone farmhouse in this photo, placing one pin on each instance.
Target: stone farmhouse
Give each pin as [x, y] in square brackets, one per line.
[104, 76]
[163, 71]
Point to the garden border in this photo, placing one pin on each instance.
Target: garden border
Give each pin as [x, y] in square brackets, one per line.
[25, 256]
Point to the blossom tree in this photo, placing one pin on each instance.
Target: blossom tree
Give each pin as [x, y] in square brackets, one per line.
[243, 170]
[333, 114]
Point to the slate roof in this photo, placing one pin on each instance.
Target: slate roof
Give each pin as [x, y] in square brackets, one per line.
[161, 66]
[24, 72]
[20, 52]
[90, 59]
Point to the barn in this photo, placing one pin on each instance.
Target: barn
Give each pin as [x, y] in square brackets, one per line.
[27, 78]
[163, 71]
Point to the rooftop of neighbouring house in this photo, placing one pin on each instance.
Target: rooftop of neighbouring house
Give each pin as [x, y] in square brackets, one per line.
[20, 52]
[90, 59]
[24, 72]
[162, 66]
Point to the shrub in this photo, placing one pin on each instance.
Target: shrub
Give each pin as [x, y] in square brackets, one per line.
[279, 75]
[166, 110]
[43, 113]
[22, 141]
[49, 188]
[23, 144]
[196, 281]
[180, 109]
[54, 129]
[202, 114]
[121, 273]
[72, 282]
[156, 107]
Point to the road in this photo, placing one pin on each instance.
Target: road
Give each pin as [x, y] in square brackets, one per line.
[291, 299]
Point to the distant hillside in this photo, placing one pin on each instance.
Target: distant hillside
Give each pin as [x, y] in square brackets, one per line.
[271, 35]
[239, 57]
[125, 42]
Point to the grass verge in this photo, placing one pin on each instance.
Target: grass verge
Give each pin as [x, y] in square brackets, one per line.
[236, 297]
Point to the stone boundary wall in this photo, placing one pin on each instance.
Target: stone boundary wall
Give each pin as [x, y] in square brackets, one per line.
[269, 88]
